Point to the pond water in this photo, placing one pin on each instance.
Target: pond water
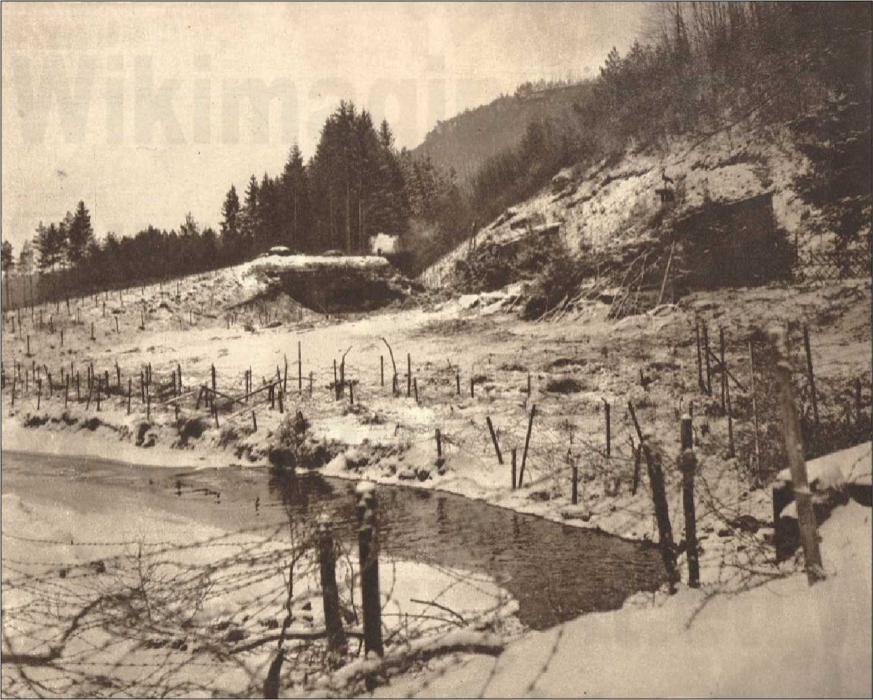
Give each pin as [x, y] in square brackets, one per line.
[556, 572]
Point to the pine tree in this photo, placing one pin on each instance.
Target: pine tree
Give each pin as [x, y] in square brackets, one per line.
[7, 263]
[294, 201]
[230, 227]
[79, 234]
[26, 258]
[249, 223]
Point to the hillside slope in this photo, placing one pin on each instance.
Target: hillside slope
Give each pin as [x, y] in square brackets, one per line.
[466, 141]
[615, 203]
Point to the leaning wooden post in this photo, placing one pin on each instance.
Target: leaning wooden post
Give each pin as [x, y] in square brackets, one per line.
[514, 454]
[285, 375]
[662, 514]
[415, 388]
[368, 550]
[439, 443]
[530, 421]
[810, 374]
[755, 412]
[494, 439]
[336, 637]
[408, 375]
[688, 466]
[574, 475]
[708, 362]
[723, 368]
[794, 449]
[730, 418]
[214, 381]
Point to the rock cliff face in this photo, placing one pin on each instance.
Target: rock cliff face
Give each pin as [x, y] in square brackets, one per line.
[650, 194]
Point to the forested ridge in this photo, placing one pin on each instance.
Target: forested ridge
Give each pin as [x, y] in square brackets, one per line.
[701, 67]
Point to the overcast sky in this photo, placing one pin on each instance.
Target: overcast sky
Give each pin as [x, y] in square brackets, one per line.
[147, 111]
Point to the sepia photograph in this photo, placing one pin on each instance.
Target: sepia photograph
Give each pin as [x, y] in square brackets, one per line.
[436, 349]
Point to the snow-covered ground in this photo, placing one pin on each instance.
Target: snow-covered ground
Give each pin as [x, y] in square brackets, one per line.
[649, 360]
[778, 638]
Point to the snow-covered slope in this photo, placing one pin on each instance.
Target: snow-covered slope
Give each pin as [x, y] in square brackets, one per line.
[613, 202]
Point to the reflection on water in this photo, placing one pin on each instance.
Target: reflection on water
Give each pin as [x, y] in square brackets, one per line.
[554, 571]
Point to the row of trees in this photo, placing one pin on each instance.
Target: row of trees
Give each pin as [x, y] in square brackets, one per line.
[356, 185]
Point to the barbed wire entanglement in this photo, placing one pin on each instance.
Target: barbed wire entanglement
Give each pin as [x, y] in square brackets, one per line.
[175, 618]
[242, 612]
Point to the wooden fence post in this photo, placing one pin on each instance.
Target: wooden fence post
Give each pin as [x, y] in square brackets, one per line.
[662, 514]
[723, 367]
[708, 362]
[368, 550]
[458, 382]
[336, 637]
[439, 443]
[730, 419]
[574, 474]
[700, 381]
[794, 449]
[381, 370]
[494, 439]
[514, 453]
[607, 410]
[688, 467]
[757, 437]
[129, 393]
[408, 375]
[530, 421]
[810, 375]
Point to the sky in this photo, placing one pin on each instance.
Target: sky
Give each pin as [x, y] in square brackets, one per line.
[147, 111]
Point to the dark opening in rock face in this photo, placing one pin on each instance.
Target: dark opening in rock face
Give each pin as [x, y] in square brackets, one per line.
[733, 244]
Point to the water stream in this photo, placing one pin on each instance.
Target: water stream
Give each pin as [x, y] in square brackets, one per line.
[555, 571]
